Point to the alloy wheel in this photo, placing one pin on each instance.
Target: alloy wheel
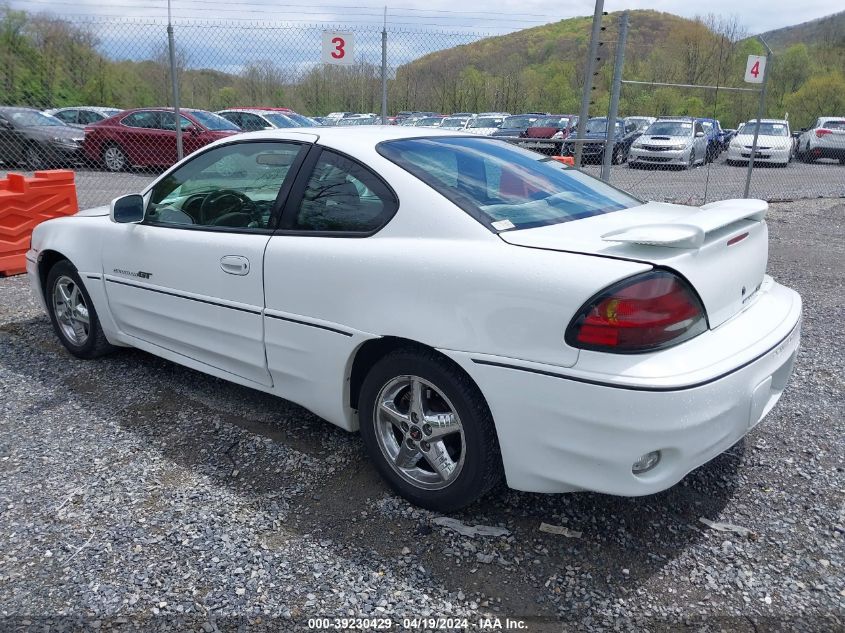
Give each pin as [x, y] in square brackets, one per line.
[114, 158]
[71, 311]
[419, 432]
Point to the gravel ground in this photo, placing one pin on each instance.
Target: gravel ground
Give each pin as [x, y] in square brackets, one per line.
[717, 181]
[139, 495]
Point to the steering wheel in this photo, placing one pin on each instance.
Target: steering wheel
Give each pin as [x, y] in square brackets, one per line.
[223, 202]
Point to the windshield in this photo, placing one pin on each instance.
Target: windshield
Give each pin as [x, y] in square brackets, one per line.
[551, 121]
[486, 121]
[213, 121]
[28, 118]
[599, 126]
[669, 128]
[518, 121]
[766, 129]
[504, 186]
[280, 120]
[454, 121]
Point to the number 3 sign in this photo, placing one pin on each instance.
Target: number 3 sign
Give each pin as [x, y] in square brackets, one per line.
[755, 69]
[337, 48]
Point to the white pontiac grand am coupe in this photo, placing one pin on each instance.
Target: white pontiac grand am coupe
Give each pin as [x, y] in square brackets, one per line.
[476, 310]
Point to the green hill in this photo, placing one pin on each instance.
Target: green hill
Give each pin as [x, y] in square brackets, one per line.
[827, 32]
[542, 69]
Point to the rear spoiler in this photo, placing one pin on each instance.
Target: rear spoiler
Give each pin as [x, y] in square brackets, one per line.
[690, 230]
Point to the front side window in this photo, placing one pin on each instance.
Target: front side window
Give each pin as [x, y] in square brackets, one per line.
[68, 116]
[504, 186]
[343, 196]
[168, 122]
[233, 186]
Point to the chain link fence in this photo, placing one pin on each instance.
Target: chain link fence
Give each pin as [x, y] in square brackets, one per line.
[245, 75]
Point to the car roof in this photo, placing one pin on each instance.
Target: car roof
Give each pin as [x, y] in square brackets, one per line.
[354, 134]
[18, 109]
[251, 111]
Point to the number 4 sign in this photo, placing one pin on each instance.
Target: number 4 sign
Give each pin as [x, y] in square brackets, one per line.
[755, 69]
[337, 48]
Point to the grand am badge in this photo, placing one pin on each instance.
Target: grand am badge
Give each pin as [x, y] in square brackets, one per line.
[140, 274]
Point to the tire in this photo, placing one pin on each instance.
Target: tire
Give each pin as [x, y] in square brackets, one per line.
[691, 163]
[114, 158]
[35, 158]
[619, 156]
[842, 161]
[474, 466]
[82, 342]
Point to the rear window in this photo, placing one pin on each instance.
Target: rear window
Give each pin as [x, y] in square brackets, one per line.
[503, 186]
[835, 125]
[213, 121]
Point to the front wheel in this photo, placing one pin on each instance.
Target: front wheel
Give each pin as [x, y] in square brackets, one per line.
[72, 313]
[428, 430]
[35, 158]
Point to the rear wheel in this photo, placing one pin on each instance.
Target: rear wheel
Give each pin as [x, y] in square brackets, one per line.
[428, 430]
[114, 158]
[72, 313]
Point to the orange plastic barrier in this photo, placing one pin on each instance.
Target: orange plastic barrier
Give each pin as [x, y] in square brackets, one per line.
[566, 160]
[26, 202]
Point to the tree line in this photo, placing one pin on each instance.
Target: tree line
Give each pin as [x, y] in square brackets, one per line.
[50, 62]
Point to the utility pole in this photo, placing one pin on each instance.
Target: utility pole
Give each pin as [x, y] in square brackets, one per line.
[174, 80]
[384, 70]
[761, 112]
[588, 80]
[614, 97]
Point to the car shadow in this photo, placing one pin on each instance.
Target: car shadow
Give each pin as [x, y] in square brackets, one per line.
[289, 463]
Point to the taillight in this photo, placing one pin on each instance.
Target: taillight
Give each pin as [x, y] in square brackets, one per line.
[644, 313]
[823, 132]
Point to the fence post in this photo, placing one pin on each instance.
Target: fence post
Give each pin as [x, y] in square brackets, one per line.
[588, 80]
[384, 70]
[614, 97]
[761, 110]
[174, 80]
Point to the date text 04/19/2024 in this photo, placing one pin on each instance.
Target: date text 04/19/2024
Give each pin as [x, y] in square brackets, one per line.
[412, 624]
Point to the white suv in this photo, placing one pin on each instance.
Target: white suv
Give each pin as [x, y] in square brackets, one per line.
[825, 139]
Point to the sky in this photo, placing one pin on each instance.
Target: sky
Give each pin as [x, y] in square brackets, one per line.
[499, 16]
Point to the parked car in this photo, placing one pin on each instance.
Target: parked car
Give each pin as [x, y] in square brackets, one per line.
[642, 122]
[825, 139]
[556, 126]
[358, 119]
[253, 119]
[623, 345]
[774, 143]
[678, 142]
[713, 133]
[429, 121]
[146, 137]
[485, 125]
[454, 122]
[624, 135]
[36, 140]
[515, 125]
[727, 136]
[80, 116]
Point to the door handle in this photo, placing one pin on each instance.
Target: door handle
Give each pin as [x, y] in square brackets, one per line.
[234, 264]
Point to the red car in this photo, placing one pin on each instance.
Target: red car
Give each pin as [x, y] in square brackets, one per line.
[147, 137]
[552, 126]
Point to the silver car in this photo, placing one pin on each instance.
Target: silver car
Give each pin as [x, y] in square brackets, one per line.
[677, 142]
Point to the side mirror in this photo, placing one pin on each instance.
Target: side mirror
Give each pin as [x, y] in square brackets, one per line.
[6, 125]
[127, 209]
[699, 134]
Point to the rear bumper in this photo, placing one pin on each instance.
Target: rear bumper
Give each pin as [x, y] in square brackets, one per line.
[827, 152]
[561, 430]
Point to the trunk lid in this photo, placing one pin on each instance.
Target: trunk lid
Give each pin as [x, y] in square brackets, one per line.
[720, 248]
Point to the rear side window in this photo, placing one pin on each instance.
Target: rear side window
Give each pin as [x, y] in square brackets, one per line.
[503, 186]
[342, 196]
[147, 119]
